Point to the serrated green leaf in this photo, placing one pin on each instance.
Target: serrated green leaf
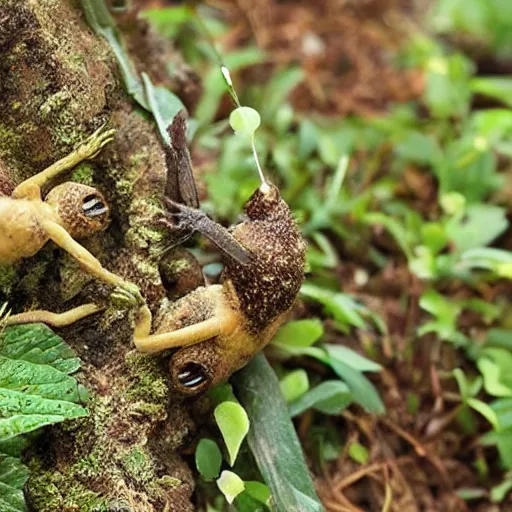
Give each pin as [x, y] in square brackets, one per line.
[37, 343]
[234, 424]
[34, 391]
[13, 475]
[208, 459]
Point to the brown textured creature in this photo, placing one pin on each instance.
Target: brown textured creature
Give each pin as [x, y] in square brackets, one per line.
[221, 327]
[70, 210]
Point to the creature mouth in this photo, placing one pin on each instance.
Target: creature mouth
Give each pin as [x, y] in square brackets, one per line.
[93, 206]
[192, 376]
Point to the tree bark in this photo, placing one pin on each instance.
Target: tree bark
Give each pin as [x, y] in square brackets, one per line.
[58, 83]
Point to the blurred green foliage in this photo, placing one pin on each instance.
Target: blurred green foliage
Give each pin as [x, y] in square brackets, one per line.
[343, 177]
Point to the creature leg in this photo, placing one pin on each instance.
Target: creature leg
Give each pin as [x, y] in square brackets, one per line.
[87, 150]
[53, 319]
[63, 239]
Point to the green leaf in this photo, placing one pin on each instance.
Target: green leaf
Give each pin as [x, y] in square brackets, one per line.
[395, 228]
[498, 88]
[491, 374]
[294, 384]
[208, 459]
[258, 491]
[244, 121]
[278, 89]
[481, 224]
[363, 391]
[233, 423]
[485, 410]
[273, 439]
[358, 453]
[344, 309]
[329, 397]
[163, 104]
[231, 485]
[13, 475]
[100, 20]
[352, 358]
[34, 389]
[300, 333]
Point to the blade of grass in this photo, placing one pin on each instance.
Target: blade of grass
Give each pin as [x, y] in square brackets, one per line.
[273, 440]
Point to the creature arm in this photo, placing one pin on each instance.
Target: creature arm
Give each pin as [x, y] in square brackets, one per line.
[194, 220]
[63, 239]
[30, 189]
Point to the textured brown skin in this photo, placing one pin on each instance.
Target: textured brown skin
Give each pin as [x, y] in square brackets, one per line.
[269, 284]
[260, 293]
[67, 200]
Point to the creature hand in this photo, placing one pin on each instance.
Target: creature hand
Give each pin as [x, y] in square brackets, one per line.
[186, 218]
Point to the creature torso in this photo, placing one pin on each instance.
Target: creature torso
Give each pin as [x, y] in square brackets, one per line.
[21, 234]
[269, 284]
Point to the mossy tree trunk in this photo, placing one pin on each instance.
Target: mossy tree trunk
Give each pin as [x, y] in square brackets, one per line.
[58, 83]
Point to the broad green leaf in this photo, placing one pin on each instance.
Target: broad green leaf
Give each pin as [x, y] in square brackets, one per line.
[273, 439]
[258, 491]
[481, 224]
[208, 459]
[231, 485]
[13, 475]
[294, 384]
[245, 121]
[352, 358]
[163, 104]
[233, 423]
[300, 333]
[34, 389]
[329, 397]
[418, 147]
[37, 343]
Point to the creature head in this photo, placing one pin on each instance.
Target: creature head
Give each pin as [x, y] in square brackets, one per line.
[265, 203]
[82, 210]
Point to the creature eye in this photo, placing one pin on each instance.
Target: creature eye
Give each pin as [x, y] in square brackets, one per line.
[192, 375]
[93, 206]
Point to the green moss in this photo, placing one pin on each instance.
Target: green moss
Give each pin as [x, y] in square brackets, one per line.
[55, 103]
[52, 491]
[7, 278]
[139, 465]
[150, 384]
[83, 173]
